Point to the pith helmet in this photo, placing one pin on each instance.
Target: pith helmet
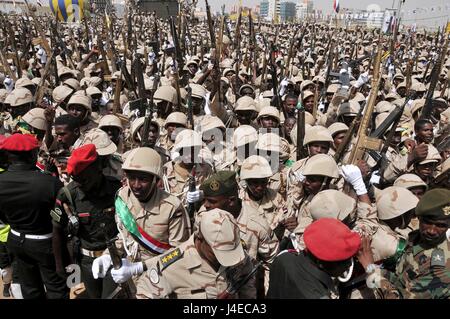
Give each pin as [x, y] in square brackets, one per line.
[336, 128]
[317, 134]
[176, 118]
[143, 159]
[187, 138]
[19, 96]
[110, 120]
[321, 164]
[23, 82]
[269, 142]
[61, 92]
[269, 111]
[244, 134]
[331, 203]
[80, 98]
[36, 118]
[395, 201]
[245, 103]
[136, 126]
[409, 181]
[101, 140]
[166, 93]
[255, 167]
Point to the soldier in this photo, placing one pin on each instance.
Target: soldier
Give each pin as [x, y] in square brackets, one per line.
[330, 248]
[111, 161]
[112, 125]
[85, 210]
[423, 269]
[19, 102]
[26, 198]
[220, 190]
[33, 122]
[165, 98]
[254, 175]
[80, 107]
[61, 96]
[206, 266]
[269, 119]
[413, 183]
[150, 220]
[175, 122]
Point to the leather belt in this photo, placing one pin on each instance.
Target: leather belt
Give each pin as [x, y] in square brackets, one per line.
[92, 253]
[29, 236]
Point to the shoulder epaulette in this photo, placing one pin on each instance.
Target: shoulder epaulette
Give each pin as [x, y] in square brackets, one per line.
[170, 258]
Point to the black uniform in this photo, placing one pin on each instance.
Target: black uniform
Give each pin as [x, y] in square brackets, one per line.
[95, 212]
[294, 276]
[26, 198]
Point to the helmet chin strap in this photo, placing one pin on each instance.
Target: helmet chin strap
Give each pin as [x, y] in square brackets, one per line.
[347, 274]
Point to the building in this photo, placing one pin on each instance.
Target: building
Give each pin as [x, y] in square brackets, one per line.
[99, 6]
[160, 7]
[304, 9]
[287, 11]
[264, 9]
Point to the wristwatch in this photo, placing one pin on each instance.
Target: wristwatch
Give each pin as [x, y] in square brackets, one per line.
[370, 269]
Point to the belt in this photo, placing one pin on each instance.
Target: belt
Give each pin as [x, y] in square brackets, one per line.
[92, 253]
[28, 236]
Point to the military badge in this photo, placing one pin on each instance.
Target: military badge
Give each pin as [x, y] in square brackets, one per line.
[446, 210]
[154, 277]
[170, 258]
[214, 186]
[437, 258]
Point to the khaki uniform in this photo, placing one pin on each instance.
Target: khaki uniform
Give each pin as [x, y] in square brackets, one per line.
[162, 217]
[387, 244]
[258, 239]
[185, 276]
[272, 207]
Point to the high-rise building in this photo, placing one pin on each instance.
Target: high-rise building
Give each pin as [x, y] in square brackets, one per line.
[304, 8]
[99, 6]
[264, 9]
[287, 11]
[270, 9]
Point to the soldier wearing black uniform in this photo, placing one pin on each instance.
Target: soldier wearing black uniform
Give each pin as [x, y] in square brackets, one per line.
[26, 198]
[85, 208]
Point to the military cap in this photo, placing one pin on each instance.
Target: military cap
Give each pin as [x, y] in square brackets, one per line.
[384, 106]
[19, 96]
[306, 95]
[246, 86]
[110, 120]
[187, 138]
[227, 70]
[269, 142]
[221, 231]
[81, 158]
[255, 166]
[244, 134]
[198, 90]
[348, 108]
[166, 93]
[220, 183]
[432, 156]
[435, 204]
[143, 159]
[332, 88]
[65, 71]
[36, 118]
[380, 118]
[418, 87]
[191, 62]
[417, 106]
[61, 92]
[101, 140]
[210, 122]
[329, 239]
[305, 84]
[20, 143]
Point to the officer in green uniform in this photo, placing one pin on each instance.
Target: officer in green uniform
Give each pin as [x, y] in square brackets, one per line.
[85, 208]
[423, 272]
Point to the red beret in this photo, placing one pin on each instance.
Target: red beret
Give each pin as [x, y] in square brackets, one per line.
[81, 158]
[329, 239]
[20, 143]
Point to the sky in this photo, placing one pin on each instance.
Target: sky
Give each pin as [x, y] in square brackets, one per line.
[429, 18]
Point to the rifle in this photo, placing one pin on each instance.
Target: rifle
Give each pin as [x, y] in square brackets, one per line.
[301, 153]
[178, 57]
[276, 96]
[14, 47]
[41, 87]
[117, 263]
[363, 141]
[117, 90]
[190, 114]
[428, 107]
[42, 40]
[149, 112]
[323, 94]
[233, 289]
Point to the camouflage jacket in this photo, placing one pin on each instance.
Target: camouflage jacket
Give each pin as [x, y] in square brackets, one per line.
[420, 273]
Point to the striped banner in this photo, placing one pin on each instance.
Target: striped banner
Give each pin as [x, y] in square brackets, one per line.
[68, 10]
[144, 239]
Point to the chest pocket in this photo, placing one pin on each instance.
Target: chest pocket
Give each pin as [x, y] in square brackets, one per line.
[187, 293]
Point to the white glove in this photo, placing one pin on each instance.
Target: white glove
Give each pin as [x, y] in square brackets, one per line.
[352, 174]
[127, 271]
[193, 197]
[100, 266]
[363, 79]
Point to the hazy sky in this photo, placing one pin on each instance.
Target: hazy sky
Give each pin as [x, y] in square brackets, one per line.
[429, 18]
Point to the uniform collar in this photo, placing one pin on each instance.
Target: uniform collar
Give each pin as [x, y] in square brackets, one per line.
[141, 209]
[193, 258]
